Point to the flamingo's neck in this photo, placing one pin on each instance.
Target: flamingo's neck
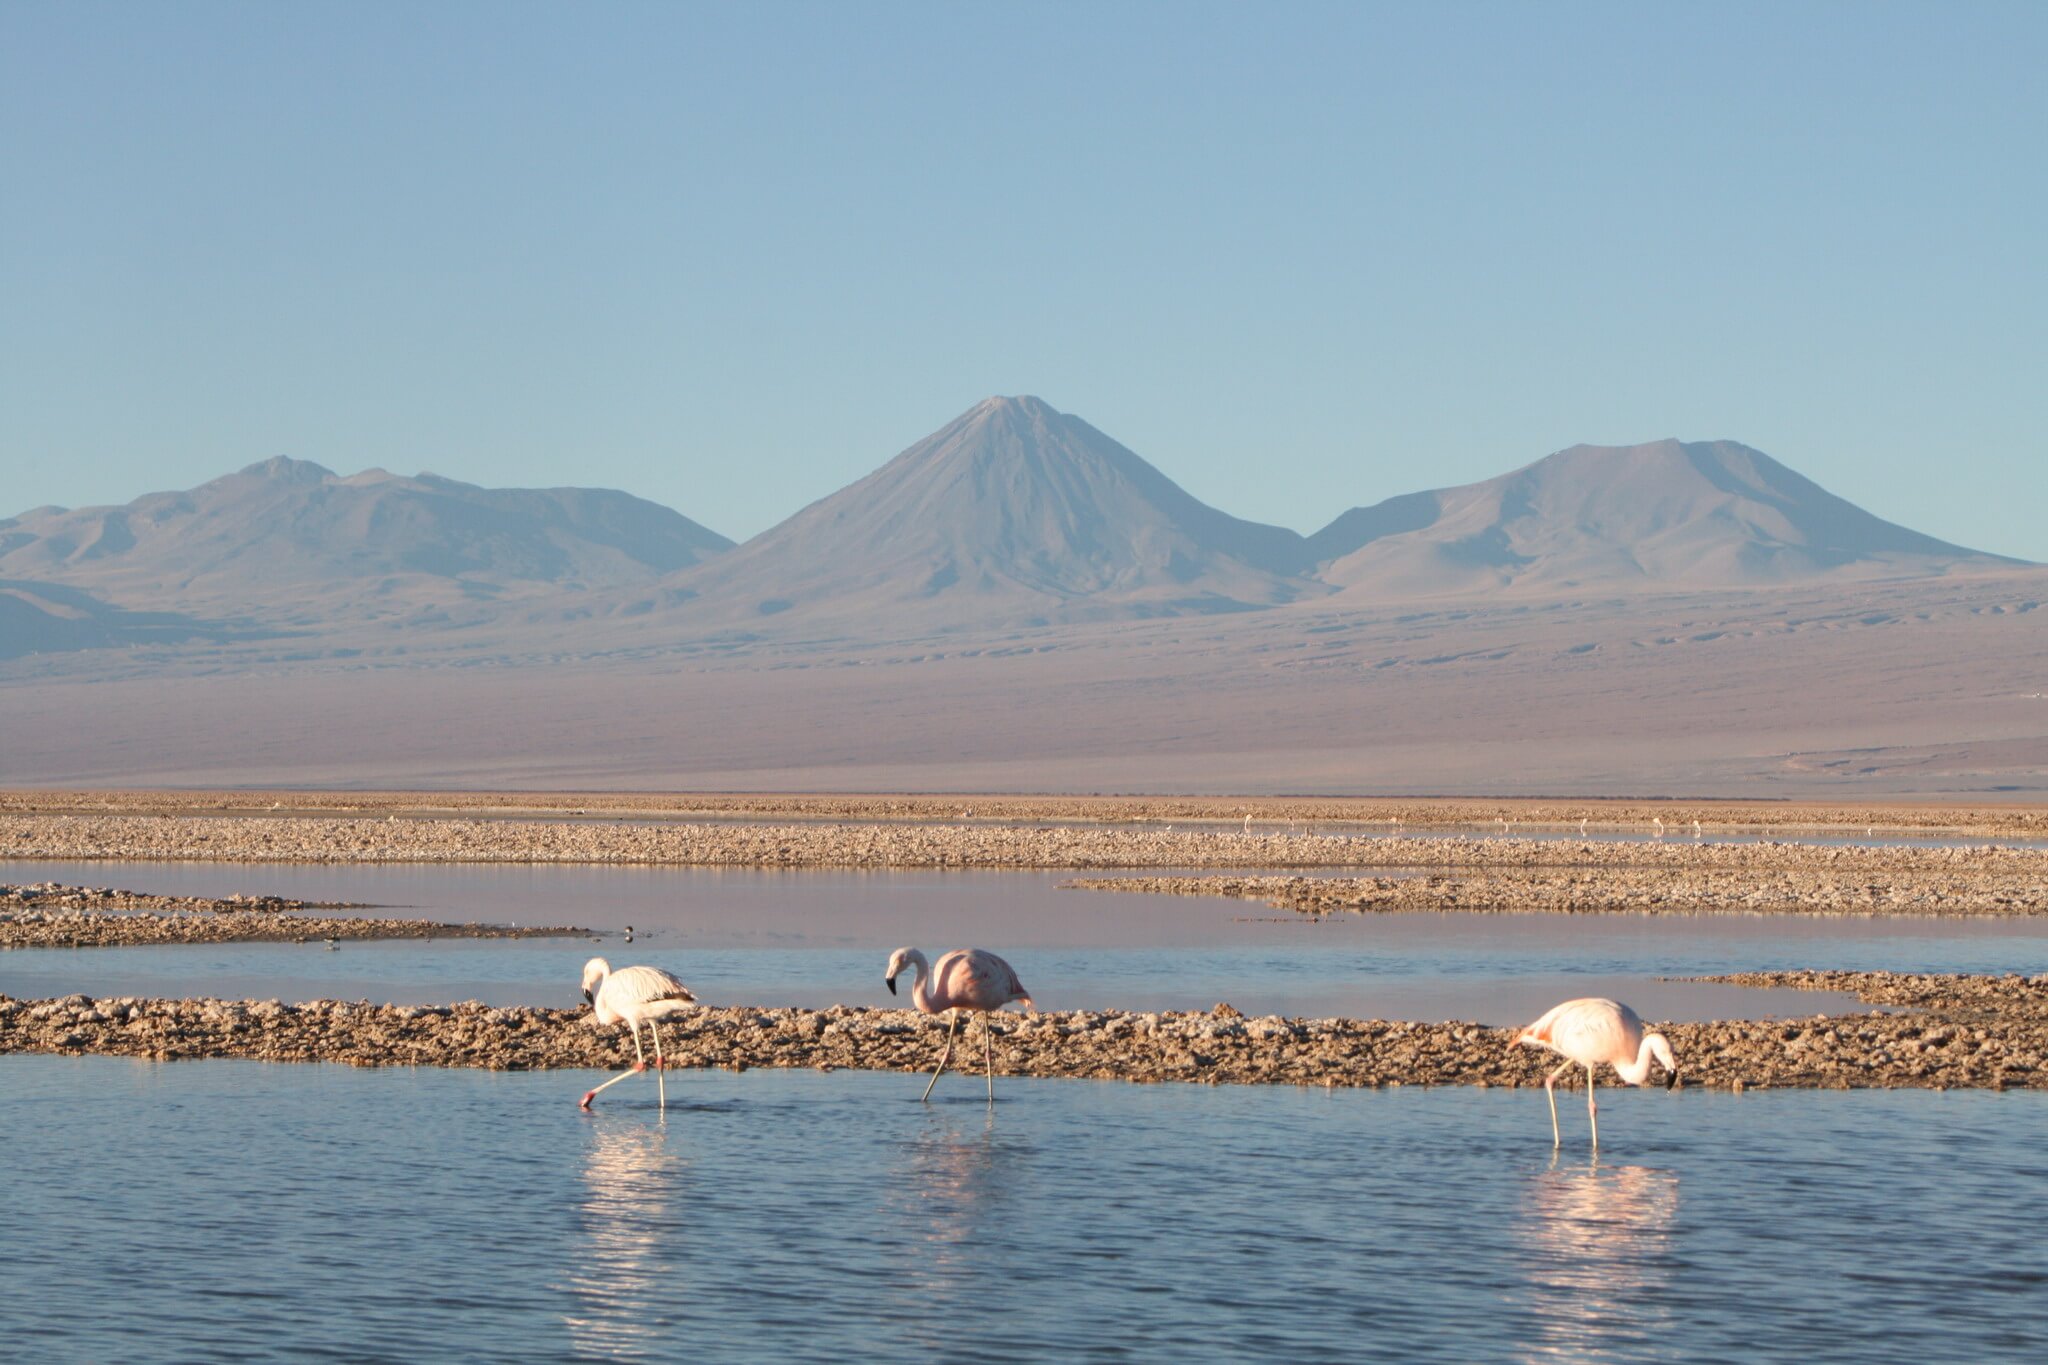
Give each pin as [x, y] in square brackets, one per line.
[920, 991]
[1638, 1071]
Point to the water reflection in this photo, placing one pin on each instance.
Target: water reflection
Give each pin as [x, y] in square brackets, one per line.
[1597, 1250]
[954, 1193]
[622, 1275]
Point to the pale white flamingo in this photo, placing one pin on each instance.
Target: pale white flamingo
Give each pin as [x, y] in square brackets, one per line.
[964, 979]
[1695, 829]
[1582, 829]
[1660, 826]
[1587, 1033]
[636, 996]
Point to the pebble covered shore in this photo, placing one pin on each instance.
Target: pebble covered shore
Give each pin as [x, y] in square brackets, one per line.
[1955, 1032]
[2019, 820]
[466, 840]
[49, 915]
[1971, 882]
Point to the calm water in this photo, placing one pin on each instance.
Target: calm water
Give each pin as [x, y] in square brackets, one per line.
[821, 937]
[308, 1212]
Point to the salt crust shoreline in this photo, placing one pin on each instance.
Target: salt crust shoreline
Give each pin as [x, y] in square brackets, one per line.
[1974, 1032]
[50, 915]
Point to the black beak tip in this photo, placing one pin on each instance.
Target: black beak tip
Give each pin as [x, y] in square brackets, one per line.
[589, 999]
[890, 982]
[1671, 1081]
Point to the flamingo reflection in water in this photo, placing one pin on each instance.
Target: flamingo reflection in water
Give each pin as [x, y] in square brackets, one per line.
[1597, 1245]
[623, 1275]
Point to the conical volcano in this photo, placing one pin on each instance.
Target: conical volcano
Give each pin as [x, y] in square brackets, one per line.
[1013, 512]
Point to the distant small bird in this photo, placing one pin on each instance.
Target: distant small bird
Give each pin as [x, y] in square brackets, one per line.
[1660, 826]
[1247, 822]
[276, 805]
[629, 933]
[1695, 829]
[1587, 1033]
[636, 996]
[331, 944]
[965, 979]
[1582, 829]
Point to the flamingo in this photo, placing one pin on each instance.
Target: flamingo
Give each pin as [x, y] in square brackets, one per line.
[1660, 826]
[1582, 829]
[1587, 1033]
[965, 979]
[636, 995]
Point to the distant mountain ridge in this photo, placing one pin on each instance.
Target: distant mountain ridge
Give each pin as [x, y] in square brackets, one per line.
[288, 528]
[1712, 514]
[1014, 514]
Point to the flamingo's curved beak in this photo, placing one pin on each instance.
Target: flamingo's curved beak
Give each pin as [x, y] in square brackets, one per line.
[1671, 1081]
[588, 998]
[890, 982]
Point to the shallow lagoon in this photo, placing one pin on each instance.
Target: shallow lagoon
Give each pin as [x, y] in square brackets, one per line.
[821, 937]
[227, 1210]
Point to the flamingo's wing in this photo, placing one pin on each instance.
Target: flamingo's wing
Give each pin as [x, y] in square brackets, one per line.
[645, 985]
[977, 979]
[1590, 1031]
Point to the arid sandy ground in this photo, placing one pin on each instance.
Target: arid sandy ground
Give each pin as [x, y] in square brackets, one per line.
[1853, 693]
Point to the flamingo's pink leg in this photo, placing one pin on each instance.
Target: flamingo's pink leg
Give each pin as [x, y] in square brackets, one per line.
[988, 1057]
[945, 1056]
[1556, 1136]
[660, 1066]
[634, 1070]
[1592, 1109]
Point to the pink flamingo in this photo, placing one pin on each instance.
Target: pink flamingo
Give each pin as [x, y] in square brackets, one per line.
[635, 995]
[965, 979]
[1587, 1033]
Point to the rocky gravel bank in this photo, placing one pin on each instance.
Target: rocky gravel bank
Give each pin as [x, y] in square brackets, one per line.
[1688, 882]
[1981, 1032]
[337, 840]
[50, 915]
[2019, 820]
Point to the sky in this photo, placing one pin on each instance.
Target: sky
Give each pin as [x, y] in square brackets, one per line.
[1300, 257]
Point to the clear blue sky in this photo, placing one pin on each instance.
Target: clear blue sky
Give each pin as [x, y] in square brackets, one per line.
[1300, 257]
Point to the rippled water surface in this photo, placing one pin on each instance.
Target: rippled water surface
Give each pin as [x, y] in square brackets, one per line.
[213, 1211]
[821, 937]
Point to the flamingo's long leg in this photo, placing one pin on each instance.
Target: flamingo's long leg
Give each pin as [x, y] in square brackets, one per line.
[639, 1064]
[1556, 1136]
[1592, 1109]
[623, 1075]
[660, 1066]
[988, 1058]
[944, 1057]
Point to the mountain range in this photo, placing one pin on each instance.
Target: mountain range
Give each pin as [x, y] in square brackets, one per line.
[1018, 602]
[1013, 514]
